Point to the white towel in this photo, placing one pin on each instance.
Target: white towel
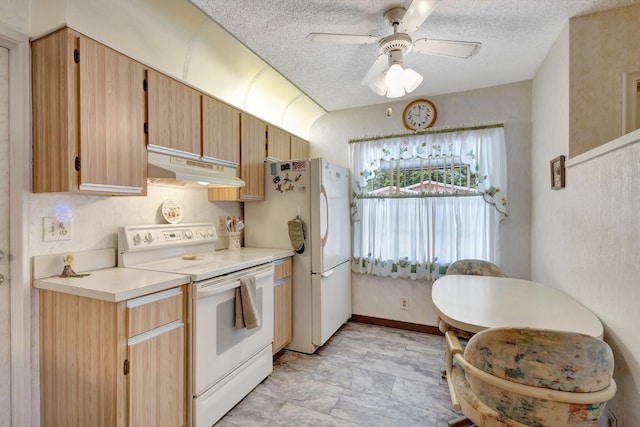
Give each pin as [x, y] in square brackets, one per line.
[247, 315]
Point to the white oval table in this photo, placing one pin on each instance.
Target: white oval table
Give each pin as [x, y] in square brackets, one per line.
[474, 303]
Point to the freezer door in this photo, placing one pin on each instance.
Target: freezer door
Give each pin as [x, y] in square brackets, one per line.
[330, 220]
[331, 301]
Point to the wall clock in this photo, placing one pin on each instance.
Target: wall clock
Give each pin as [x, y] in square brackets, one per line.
[419, 114]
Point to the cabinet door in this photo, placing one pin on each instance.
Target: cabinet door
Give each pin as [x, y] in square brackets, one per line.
[252, 146]
[157, 379]
[299, 148]
[174, 117]
[82, 349]
[54, 77]
[112, 106]
[220, 131]
[278, 144]
[282, 305]
[282, 315]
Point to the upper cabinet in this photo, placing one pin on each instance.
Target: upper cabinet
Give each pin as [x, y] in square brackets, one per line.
[174, 117]
[278, 144]
[283, 146]
[258, 142]
[299, 148]
[253, 139]
[220, 131]
[88, 117]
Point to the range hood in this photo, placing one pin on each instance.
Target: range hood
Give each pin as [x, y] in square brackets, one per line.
[171, 170]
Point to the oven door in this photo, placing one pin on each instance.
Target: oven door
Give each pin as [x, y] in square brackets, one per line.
[218, 347]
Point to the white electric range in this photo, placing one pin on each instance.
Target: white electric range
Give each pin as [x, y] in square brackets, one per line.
[225, 363]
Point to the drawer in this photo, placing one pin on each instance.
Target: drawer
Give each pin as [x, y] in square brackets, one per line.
[282, 269]
[153, 310]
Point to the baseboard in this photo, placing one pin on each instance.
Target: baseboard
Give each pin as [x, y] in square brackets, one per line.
[416, 327]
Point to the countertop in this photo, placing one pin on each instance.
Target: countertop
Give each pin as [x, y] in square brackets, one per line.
[121, 283]
[113, 284]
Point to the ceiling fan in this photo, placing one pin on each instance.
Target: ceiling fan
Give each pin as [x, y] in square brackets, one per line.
[387, 76]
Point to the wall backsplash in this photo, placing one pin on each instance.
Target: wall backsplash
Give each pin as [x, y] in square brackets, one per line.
[97, 218]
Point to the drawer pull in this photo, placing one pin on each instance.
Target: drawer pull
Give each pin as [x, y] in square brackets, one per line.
[158, 296]
[145, 336]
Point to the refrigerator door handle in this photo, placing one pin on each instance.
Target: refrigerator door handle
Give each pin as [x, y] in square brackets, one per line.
[324, 208]
[326, 273]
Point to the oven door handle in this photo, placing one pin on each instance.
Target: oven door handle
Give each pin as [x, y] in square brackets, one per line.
[204, 292]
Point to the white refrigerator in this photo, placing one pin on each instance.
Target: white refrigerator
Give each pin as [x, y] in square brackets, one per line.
[317, 192]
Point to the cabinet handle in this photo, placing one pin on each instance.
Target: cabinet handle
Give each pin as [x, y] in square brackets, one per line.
[158, 296]
[146, 336]
[281, 281]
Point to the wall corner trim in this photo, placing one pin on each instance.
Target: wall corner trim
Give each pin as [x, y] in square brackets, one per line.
[601, 150]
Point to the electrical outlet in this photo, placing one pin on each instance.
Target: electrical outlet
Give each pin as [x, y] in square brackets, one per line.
[404, 303]
[53, 229]
[612, 421]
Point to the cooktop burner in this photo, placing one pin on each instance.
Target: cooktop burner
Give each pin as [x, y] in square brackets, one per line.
[208, 265]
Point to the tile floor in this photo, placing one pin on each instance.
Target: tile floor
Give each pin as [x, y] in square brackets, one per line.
[365, 375]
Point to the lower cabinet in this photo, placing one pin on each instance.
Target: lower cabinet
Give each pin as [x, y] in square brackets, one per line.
[282, 304]
[113, 364]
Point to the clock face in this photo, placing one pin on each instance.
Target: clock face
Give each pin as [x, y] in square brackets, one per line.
[419, 114]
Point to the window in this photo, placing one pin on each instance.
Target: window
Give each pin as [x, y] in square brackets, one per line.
[422, 201]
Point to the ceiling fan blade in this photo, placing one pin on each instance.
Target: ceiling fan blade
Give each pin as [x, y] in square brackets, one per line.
[378, 67]
[450, 48]
[330, 38]
[418, 11]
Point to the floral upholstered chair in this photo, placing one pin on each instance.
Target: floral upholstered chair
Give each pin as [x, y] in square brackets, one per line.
[471, 267]
[475, 267]
[532, 377]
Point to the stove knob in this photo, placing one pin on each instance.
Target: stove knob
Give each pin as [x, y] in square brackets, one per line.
[148, 238]
[137, 238]
[210, 232]
[189, 234]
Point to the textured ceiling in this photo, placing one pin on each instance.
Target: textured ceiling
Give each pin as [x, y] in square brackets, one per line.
[516, 35]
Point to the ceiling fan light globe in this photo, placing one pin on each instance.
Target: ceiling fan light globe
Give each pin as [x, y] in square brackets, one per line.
[412, 80]
[379, 84]
[395, 91]
[395, 76]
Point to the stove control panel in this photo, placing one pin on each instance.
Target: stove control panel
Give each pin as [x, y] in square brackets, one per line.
[144, 237]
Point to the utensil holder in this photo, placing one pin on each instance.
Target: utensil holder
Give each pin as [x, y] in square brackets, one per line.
[235, 241]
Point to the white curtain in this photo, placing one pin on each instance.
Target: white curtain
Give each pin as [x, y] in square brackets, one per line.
[417, 237]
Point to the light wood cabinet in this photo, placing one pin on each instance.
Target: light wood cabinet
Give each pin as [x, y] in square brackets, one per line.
[278, 144]
[88, 107]
[220, 131]
[299, 148]
[174, 116]
[113, 364]
[253, 133]
[282, 304]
